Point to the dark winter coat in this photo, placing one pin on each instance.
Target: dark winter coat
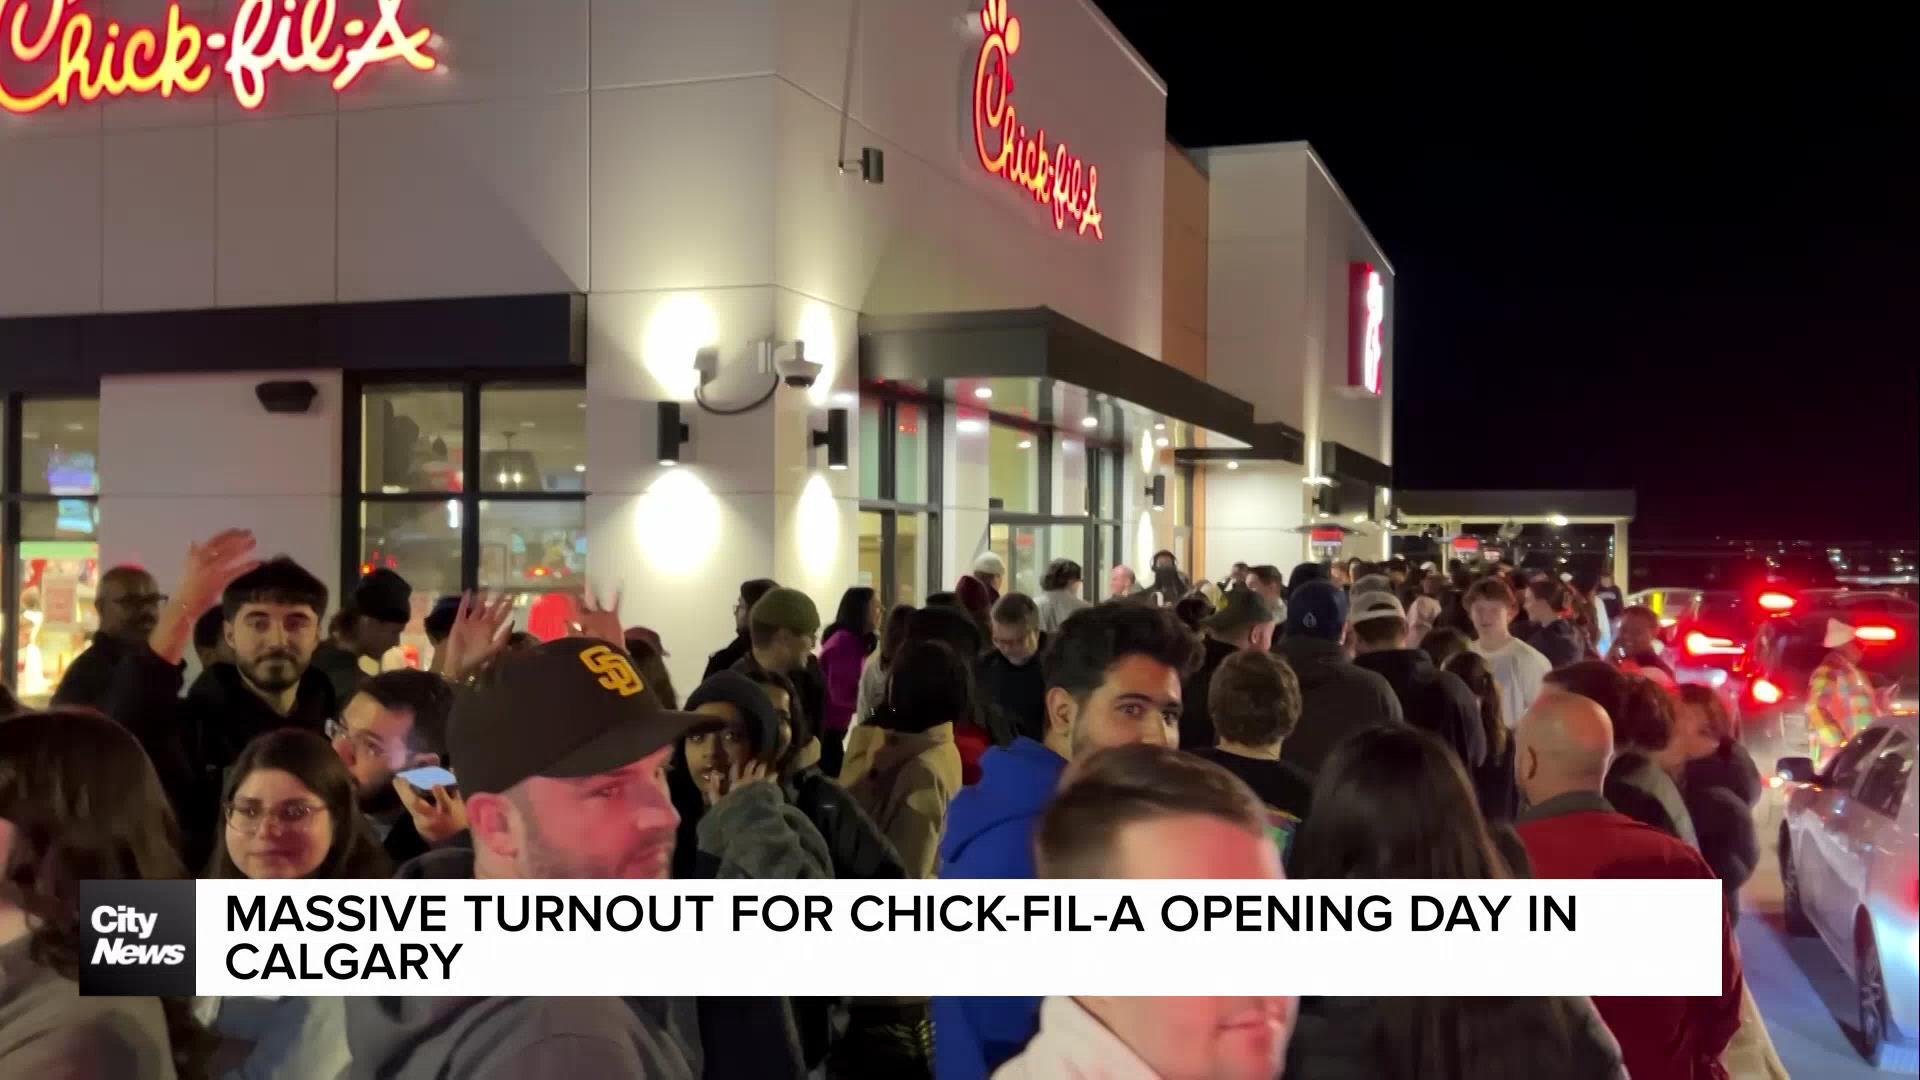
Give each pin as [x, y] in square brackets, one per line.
[1559, 641]
[1721, 791]
[1336, 700]
[1368, 1039]
[1196, 720]
[195, 739]
[1434, 701]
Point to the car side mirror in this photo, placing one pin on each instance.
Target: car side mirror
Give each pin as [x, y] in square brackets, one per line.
[1798, 770]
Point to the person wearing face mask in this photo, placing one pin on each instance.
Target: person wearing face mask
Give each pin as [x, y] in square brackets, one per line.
[1009, 676]
[274, 613]
[1148, 812]
[1113, 676]
[290, 811]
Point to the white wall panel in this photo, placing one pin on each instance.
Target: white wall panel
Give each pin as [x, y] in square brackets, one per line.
[652, 42]
[50, 215]
[159, 219]
[464, 200]
[484, 50]
[276, 222]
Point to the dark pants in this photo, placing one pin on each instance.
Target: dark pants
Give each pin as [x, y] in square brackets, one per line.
[833, 752]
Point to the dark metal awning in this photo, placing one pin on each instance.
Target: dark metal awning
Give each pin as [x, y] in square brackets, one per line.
[1040, 364]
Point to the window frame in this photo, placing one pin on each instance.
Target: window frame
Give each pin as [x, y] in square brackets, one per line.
[887, 503]
[13, 501]
[353, 494]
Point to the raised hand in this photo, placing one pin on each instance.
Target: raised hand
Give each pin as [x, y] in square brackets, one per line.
[601, 622]
[479, 632]
[211, 566]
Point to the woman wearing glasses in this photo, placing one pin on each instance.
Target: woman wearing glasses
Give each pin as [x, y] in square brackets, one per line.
[289, 812]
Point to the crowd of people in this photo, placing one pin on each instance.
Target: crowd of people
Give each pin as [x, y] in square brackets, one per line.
[1338, 721]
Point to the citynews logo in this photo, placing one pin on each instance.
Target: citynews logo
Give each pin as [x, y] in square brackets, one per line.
[136, 938]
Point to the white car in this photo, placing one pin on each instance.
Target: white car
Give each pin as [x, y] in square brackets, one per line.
[1850, 866]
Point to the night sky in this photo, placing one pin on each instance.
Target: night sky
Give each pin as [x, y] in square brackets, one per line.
[1681, 260]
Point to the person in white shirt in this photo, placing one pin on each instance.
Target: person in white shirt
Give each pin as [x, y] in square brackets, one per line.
[1060, 594]
[1517, 666]
[1146, 812]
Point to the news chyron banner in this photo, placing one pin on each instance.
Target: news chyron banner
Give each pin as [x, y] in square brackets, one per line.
[794, 938]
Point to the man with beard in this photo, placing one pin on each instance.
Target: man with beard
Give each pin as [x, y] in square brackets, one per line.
[273, 613]
[564, 755]
[397, 722]
[129, 604]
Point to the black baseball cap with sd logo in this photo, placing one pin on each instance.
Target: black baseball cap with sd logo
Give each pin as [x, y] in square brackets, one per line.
[568, 708]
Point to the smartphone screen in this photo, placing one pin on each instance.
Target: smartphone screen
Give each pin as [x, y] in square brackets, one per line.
[427, 777]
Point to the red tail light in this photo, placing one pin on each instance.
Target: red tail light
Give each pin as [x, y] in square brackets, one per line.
[1877, 635]
[1777, 602]
[1766, 693]
[1699, 644]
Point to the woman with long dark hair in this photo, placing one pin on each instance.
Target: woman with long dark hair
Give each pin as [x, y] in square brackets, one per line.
[1493, 780]
[79, 801]
[873, 677]
[290, 811]
[844, 647]
[1395, 803]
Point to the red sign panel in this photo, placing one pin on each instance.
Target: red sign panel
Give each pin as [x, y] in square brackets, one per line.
[1328, 535]
[1366, 315]
[1054, 178]
[1466, 544]
[84, 57]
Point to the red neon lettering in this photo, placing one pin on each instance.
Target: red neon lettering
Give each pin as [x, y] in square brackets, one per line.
[1056, 178]
[290, 36]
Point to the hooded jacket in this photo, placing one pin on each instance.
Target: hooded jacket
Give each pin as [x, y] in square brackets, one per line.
[990, 835]
[906, 792]
[562, 1038]
[1434, 701]
[194, 740]
[1336, 700]
[1721, 791]
[1559, 641]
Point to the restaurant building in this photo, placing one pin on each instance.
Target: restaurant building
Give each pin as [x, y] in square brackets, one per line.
[514, 296]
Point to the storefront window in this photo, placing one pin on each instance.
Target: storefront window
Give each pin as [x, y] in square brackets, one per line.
[871, 559]
[872, 417]
[909, 558]
[519, 527]
[1013, 470]
[910, 453]
[1070, 490]
[413, 439]
[533, 439]
[52, 508]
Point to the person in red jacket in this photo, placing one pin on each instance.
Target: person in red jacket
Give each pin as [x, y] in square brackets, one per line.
[1563, 747]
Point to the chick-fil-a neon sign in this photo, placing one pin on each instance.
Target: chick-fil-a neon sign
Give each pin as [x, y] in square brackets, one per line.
[95, 57]
[1366, 321]
[1056, 178]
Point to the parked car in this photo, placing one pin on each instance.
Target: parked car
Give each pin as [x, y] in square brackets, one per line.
[1848, 847]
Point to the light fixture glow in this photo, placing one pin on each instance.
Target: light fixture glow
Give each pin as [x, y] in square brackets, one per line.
[972, 427]
[1090, 422]
[1159, 427]
[1559, 521]
[1232, 465]
[1359, 519]
[1161, 442]
[1026, 444]
[983, 392]
[1317, 481]
[580, 468]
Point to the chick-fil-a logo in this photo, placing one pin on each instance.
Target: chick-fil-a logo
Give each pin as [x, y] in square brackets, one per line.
[1057, 178]
[1366, 321]
[95, 57]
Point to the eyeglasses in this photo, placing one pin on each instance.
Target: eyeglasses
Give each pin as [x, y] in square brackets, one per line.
[251, 817]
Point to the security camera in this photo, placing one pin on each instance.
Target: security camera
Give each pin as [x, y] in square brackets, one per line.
[794, 368]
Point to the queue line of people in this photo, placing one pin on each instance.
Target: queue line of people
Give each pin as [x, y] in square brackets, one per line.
[1305, 735]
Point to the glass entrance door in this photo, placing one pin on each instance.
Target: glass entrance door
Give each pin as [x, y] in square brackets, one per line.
[1028, 547]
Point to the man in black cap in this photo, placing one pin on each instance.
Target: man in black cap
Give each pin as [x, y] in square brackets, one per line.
[368, 627]
[563, 756]
[1246, 623]
[742, 643]
[129, 602]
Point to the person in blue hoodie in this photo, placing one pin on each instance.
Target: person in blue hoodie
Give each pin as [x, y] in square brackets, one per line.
[1113, 675]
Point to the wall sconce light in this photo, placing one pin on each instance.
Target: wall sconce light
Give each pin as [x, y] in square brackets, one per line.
[1157, 491]
[834, 439]
[670, 434]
